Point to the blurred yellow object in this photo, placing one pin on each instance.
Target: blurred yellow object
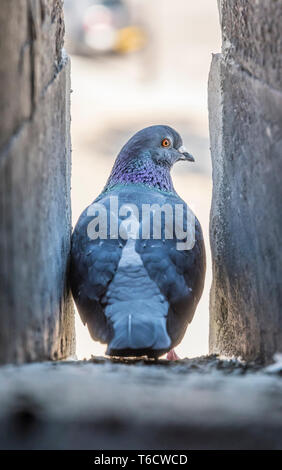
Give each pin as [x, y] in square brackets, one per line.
[130, 39]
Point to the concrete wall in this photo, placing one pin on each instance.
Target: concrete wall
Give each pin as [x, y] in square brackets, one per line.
[36, 313]
[245, 112]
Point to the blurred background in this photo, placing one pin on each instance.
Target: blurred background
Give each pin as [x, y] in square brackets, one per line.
[136, 63]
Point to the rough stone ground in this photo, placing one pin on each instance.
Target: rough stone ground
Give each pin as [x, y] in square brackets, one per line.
[202, 403]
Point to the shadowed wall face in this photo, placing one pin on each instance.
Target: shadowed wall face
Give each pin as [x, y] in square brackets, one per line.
[245, 112]
[36, 319]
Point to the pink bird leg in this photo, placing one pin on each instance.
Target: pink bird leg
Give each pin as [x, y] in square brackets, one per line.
[172, 356]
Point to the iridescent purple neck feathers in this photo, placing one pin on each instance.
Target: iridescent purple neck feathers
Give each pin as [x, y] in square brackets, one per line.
[140, 171]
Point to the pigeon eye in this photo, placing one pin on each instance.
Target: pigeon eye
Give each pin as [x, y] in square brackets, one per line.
[165, 142]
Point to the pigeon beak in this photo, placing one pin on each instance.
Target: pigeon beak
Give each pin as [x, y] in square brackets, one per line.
[184, 155]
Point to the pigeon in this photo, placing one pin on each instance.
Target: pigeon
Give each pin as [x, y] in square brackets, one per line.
[138, 262]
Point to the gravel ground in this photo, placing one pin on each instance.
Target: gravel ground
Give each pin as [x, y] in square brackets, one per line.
[202, 403]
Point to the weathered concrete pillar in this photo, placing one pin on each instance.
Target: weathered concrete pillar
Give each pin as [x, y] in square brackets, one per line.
[36, 313]
[245, 112]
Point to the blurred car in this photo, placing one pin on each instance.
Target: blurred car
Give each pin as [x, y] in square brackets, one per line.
[101, 26]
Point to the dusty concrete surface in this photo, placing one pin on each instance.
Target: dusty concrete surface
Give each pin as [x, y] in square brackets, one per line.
[251, 32]
[36, 320]
[245, 112]
[203, 403]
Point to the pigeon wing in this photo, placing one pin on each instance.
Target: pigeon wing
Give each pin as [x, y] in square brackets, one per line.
[179, 275]
[94, 263]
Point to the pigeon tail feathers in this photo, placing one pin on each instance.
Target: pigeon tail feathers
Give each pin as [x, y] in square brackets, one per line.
[135, 309]
[137, 331]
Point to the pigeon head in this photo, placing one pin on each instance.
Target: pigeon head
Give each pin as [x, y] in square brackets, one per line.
[160, 143]
[148, 157]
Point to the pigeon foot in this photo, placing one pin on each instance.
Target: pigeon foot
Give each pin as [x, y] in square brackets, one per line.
[172, 356]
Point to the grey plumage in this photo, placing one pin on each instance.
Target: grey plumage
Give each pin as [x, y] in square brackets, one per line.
[138, 295]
